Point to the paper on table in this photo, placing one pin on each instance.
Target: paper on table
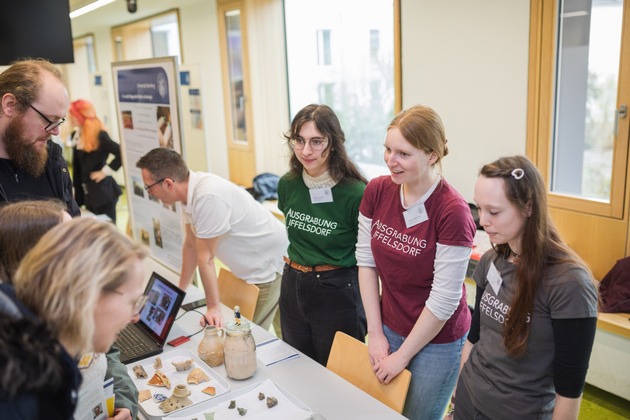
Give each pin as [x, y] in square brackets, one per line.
[275, 351]
[256, 409]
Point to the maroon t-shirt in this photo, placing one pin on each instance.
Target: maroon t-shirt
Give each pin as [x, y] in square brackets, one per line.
[405, 256]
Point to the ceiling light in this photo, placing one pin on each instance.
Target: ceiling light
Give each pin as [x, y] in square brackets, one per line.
[90, 7]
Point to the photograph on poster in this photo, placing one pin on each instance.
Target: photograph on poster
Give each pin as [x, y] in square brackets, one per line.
[157, 233]
[127, 119]
[164, 128]
[138, 186]
[144, 237]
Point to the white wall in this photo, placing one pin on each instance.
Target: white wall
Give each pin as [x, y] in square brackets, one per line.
[468, 61]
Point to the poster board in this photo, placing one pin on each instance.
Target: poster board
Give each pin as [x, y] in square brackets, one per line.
[147, 106]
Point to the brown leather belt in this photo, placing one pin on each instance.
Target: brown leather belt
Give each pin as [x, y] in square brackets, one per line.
[314, 268]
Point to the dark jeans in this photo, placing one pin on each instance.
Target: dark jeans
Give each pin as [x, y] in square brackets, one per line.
[314, 306]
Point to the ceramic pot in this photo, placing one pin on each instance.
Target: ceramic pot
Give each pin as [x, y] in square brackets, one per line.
[211, 346]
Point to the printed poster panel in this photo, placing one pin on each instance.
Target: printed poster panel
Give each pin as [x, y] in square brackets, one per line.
[147, 104]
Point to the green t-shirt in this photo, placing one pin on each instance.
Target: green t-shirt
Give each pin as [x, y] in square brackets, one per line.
[322, 233]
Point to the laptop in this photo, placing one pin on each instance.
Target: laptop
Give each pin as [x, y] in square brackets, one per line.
[147, 337]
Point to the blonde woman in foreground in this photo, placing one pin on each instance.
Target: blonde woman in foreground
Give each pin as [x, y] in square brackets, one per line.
[72, 293]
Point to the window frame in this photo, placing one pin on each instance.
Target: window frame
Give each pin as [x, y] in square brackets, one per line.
[540, 117]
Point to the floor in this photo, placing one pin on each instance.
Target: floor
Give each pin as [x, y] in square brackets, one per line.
[596, 403]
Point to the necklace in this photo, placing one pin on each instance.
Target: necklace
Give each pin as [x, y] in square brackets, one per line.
[515, 257]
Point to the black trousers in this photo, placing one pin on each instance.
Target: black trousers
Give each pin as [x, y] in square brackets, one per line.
[315, 305]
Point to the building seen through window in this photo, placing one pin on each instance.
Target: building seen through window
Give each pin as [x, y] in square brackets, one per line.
[342, 54]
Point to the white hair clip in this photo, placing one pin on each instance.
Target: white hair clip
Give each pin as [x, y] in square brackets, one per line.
[518, 173]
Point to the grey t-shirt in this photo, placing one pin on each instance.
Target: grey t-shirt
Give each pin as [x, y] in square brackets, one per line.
[502, 386]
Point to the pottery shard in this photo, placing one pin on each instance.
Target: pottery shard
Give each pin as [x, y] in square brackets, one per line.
[140, 372]
[197, 376]
[144, 395]
[181, 366]
[160, 379]
[210, 390]
[157, 364]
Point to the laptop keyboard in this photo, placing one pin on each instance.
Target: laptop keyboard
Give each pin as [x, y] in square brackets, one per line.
[131, 345]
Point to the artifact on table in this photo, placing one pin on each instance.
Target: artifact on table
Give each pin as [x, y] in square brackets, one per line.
[211, 346]
[140, 372]
[232, 404]
[242, 411]
[272, 402]
[157, 364]
[197, 376]
[178, 400]
[182, 366]
[240, 350]
[261, 396]
[209, 390]
[158, 398]
[144, 395]
[160, 379]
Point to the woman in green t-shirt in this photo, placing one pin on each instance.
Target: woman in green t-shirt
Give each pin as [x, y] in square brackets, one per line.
[320, 198]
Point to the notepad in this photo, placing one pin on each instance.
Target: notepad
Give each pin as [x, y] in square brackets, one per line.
[274, 351]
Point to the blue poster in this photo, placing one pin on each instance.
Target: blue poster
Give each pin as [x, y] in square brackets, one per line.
[146, 85]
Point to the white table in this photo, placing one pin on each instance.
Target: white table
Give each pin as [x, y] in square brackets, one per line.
[322, 391]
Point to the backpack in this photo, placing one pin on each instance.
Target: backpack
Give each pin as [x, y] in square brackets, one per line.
[615, 288]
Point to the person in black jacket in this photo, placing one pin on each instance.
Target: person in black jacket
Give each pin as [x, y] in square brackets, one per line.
[64, 303]
[33, 103]
[94, 186]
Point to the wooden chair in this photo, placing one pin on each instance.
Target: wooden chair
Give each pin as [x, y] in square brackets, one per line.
[349, 359]
[234, 291]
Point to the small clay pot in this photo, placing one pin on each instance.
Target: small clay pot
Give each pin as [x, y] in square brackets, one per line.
[178, 400]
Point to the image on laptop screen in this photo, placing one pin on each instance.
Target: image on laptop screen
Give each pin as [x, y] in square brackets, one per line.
[162, 306]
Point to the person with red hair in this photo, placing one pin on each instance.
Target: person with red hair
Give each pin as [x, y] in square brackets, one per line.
[94, 186]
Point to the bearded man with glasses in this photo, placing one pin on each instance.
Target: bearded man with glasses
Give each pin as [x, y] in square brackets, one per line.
[33, 104]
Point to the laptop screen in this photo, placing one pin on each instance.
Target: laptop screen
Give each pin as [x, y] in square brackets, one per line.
[162, 306]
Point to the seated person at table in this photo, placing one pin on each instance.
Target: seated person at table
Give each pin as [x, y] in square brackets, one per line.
[22, 224]
[222, 220]
[64, 302]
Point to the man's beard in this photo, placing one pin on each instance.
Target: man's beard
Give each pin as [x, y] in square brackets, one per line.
[22, 151]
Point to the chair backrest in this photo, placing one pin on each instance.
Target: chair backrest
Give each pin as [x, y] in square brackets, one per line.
[235, 291]
[349, 359]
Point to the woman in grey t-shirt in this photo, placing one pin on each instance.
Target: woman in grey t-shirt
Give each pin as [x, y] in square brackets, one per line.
[536, 307]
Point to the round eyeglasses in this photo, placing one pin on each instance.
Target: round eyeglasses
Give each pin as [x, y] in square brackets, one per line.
[315, 143]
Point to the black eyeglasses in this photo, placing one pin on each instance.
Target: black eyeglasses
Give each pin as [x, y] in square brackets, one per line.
[148, 187]
[51, 124]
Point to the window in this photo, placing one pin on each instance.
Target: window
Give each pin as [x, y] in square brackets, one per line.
[577, 132]
[342, 54]
[323, 47]
[589, 41]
